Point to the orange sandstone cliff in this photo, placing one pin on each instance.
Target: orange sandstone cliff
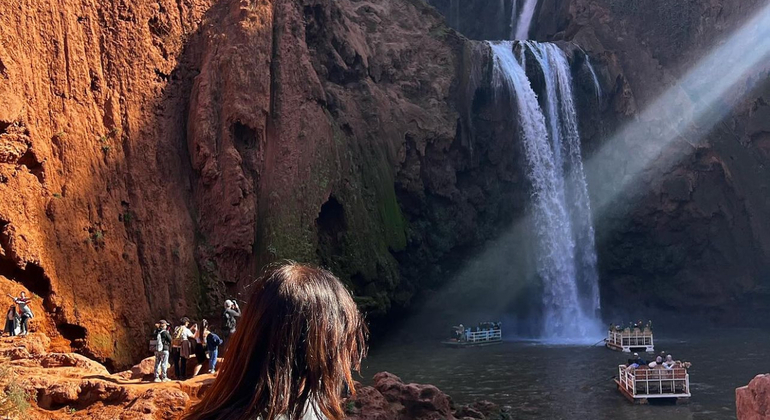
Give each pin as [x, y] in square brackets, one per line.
[155, 154]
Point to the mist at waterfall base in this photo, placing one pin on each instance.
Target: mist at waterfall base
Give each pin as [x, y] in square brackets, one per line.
[502, 280]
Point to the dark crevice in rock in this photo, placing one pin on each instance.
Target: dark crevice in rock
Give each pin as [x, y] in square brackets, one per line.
[32, 277]
[332, 225]
[4, 126]
[34, 166]
[244, 135]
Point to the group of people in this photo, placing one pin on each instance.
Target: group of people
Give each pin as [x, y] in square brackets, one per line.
[637, 327]
[18, 316]
[662, 361]
[461, 333]
[190, 339]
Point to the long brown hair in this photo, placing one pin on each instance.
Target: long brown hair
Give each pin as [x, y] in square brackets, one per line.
[299, 338]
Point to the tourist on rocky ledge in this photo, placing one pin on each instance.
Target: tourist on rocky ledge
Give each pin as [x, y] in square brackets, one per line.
[230, 318]
[212, 346]
[11, 321]
[24, 310]
[199, 345]
[161, 352]
[180, 347]
[300, 337]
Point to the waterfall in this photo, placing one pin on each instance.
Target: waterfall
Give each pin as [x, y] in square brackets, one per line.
[597, 86]
[525, 19]
[560, 206]
[514, 7]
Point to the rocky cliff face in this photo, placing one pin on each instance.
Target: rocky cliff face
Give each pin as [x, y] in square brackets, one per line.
[95, 216]
[154, 155]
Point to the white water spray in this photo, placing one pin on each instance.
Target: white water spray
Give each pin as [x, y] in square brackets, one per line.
[597, 86]
[525, 19]
[514, 7]
[561, 210]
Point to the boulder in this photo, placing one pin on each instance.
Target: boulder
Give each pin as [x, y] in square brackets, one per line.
[752, 402]
[165, 403]
[52, 360]
[418, 401]
[144, 370]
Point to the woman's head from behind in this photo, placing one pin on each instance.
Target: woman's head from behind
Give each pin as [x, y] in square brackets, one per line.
[296, 344]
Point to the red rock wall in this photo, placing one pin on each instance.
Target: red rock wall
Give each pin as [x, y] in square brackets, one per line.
[752, 402]
[94, 186]
[154, 155]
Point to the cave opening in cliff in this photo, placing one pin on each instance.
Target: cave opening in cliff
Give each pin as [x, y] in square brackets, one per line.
[331, 224]
[244, 135]
[32, 277]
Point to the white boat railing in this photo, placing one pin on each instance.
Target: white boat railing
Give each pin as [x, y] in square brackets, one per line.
[630, 338]
[479, 336]
[654, 383]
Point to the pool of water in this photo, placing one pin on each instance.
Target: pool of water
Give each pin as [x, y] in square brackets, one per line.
[546, 381]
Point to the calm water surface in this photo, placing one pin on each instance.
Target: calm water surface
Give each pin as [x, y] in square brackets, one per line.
[541, 381]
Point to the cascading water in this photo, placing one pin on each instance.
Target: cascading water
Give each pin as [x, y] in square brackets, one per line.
[514, 9]
[560, 207]
[597, 86]
[525, 19]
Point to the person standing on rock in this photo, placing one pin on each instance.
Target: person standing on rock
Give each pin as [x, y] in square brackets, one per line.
[212, 346]
[229, 319]
[24, 310]
[161, 352]
[199, 343]
[180, 348]
[300, 337]
[11, 321]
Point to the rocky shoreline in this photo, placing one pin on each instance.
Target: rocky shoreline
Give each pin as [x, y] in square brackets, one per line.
[37, 383]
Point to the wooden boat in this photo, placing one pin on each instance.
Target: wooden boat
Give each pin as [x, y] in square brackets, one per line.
[486, 334]
[641, 385]
[630, 340]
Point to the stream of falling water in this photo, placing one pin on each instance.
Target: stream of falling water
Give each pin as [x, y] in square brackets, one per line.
[560, 205]
[525, 19]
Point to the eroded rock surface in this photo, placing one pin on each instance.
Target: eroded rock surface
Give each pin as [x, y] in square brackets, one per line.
[752, 402]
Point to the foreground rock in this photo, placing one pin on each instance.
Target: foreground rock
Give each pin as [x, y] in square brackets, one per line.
[61, 386]
[68, 385]
[391, 399]
[752, 402]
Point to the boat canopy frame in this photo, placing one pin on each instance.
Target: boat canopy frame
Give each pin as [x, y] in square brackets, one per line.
[628, 341]
[643, 384]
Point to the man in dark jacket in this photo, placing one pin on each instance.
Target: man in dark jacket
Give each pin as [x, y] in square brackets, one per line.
[212, 346]
[229, 318]
[161, 352]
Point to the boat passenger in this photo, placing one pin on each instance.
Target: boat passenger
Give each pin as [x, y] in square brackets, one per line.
[636, 362]
[669, 362]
